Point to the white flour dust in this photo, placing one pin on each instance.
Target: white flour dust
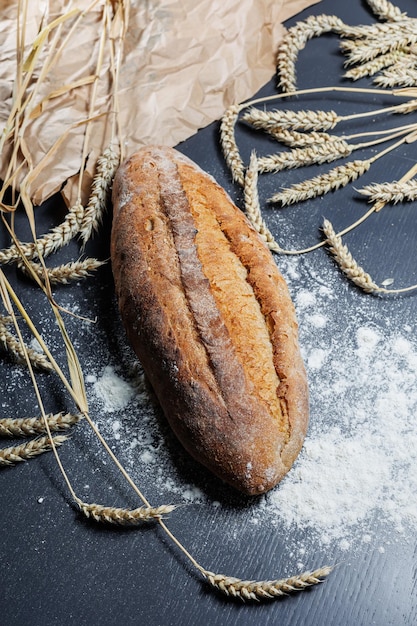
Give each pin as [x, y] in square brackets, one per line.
[359, 461]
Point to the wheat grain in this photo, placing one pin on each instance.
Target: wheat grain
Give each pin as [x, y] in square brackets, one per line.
[24, 451]
[293, 120]
[100, 191]
[11, 344]
[324, 183]
[346, 262]
[300, 157]
[253, 590]
[23, 427]
[252, 205]
[63, 274]
[124, 517]
[391, 192]
[386, 10]
[229, 145]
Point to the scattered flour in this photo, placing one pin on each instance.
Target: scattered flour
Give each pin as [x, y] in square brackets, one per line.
[355, 480]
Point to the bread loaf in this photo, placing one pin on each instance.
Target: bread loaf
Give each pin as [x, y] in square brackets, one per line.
[210, 318]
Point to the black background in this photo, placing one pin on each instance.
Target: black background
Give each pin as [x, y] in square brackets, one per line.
[58, 568]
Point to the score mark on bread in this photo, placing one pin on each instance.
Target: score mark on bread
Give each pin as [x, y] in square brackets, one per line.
[210, 317]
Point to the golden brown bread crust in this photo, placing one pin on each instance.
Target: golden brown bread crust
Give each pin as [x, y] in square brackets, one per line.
[210, 318]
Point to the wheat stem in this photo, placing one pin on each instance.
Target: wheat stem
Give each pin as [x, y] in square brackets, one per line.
[124, 517]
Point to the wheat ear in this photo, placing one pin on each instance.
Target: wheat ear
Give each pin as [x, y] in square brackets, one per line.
[23, 427]
[253, 590]
[25, 451]
[346, 262]
[62, 274]
[51, 242]
[386, 10]
[229, 146]
[14, 346]
[100, 191]
[391, 193]
[305, 120]
[124, 517]
[252, 205]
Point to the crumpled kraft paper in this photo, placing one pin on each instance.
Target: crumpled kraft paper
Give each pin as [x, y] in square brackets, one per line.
[183, 64]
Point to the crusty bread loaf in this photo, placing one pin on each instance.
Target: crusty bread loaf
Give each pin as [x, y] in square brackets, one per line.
[210, 318]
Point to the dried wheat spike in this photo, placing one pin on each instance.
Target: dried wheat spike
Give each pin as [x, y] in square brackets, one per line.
[124, 517]
[265, 589]
[24, 451]
[252, 205]
[63, 274]
[380, 39]
[300, 157]
[100, 191]
[51, 242]
[336, 178]
[398, 75]
[23, 427]
[346, 262]
[386, 10]
[391, 192]
[295, 40]
[375, 65]
[293, 120]
[229, 146]
[295, 139]
[12, 344]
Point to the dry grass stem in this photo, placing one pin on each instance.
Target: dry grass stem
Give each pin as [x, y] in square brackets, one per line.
[300, 157]
[252, 205]
[26, 426]
[293, 120]
[346, 262]
[29, 450]
[100, 192]
[391, 193]
[324, 183]
[252, 590]
[124, 517]
[62, 274]
[229, 146]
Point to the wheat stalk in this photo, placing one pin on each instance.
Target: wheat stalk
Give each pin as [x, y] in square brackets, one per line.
[398, 75]
[62, 274]
[374, 65]
[25, 451]
[296, 139]
[100, 192]
[58, 237]
[386, 10]
[124, 517]
[319, 185]
[229, 145]
[346, 262]
[18, 349]
[391, 192]
[23, 427]
[252, 205]
[295, 40]
[300, 157]
[388, 37]
[252, 590]
[293, 120]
